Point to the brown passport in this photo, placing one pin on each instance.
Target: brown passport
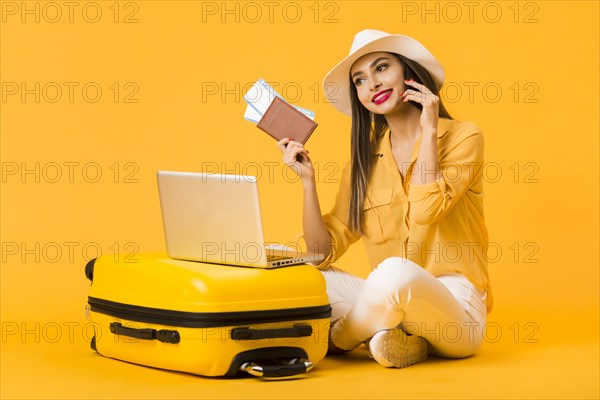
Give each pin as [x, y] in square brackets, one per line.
[282, 120]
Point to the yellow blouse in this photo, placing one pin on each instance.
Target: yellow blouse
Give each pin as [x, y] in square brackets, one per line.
[439, 226]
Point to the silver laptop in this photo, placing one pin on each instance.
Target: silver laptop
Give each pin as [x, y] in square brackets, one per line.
[216, 218]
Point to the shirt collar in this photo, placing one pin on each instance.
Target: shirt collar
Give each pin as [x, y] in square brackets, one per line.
[443, 126]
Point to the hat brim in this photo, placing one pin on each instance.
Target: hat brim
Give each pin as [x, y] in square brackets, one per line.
[336, 82]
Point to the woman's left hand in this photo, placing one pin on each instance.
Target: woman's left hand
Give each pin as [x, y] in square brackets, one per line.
[430, 102]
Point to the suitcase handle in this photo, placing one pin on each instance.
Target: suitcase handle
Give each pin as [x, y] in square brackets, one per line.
[163, 335]
[294, 367]
[254, 334]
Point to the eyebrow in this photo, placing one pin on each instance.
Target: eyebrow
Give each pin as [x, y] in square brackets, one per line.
[370, 66]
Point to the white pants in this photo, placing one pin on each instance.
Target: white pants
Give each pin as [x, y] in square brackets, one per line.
[448, 311]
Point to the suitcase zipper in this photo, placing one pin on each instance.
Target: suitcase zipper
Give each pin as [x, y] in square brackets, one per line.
[204, 320]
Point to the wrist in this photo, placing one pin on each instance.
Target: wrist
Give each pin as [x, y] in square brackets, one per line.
[429, 133]
[309, 182]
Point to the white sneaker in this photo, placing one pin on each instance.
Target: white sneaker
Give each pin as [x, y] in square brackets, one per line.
[394, 348]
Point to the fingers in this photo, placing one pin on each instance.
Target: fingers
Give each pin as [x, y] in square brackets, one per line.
[295, 156]
[294, 153]
[287, 144]
[295, 145]
[282, 144]
[423, 98]
[416, 85]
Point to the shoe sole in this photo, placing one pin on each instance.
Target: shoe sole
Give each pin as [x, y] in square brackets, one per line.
[393, 348]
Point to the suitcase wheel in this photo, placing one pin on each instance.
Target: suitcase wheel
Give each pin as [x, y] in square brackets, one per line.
[89, 269]
[294, 366]
[93, 343]
[271, 362]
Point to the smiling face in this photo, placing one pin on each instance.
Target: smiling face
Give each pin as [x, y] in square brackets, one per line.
[379, 82]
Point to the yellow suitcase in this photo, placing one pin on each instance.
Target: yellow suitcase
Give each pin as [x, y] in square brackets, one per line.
[208, 319]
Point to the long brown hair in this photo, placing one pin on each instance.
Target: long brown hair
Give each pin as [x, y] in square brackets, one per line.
[367, 131]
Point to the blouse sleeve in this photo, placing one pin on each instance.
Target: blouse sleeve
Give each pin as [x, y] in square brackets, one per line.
[460, 169]
[336, 222]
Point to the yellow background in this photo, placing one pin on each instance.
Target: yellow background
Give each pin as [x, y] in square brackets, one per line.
[181, 69]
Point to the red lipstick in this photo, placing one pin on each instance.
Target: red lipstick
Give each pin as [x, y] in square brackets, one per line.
[382, 96]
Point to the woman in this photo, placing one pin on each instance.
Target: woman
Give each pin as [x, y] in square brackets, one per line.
[413, 192]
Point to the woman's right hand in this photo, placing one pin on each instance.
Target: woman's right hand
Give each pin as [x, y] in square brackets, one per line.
[295, 156]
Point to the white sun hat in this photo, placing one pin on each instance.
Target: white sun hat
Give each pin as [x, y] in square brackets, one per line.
[336, 82]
